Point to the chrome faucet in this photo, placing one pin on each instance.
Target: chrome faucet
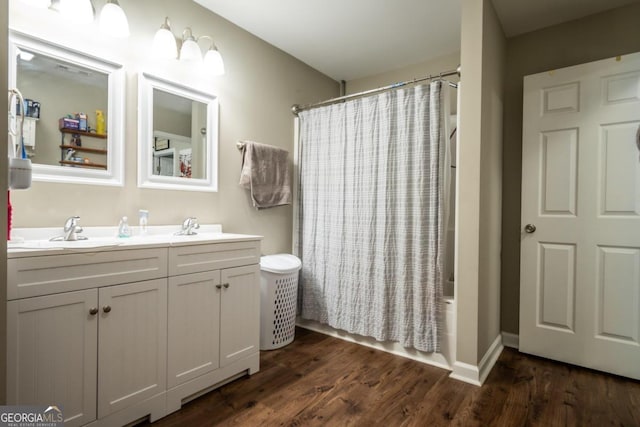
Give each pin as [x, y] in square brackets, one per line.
[188, 226]
[72, 229]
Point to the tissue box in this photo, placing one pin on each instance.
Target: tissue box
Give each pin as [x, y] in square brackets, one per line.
[65, 123]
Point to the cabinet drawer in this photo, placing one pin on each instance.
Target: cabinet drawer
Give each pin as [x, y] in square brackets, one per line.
[42, 275]
[198, 258]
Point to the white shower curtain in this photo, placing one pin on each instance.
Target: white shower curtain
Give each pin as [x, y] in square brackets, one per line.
[373, 194]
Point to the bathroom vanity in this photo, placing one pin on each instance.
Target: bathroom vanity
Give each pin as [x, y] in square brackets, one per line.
[115, 330]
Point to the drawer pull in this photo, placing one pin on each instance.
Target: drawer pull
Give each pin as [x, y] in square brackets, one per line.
[106, 308]
[93, 311]
[226, 285]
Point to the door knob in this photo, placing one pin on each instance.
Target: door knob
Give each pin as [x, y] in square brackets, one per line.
[106, 308]
[529, 228]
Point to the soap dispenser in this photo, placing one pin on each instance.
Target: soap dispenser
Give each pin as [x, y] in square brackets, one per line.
[123, 228]
[143, 221]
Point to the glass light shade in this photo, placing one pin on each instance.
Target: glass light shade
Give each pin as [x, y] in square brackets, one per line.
[190, 51]
[41, 4]
[164, 45]
[213, 62]
[80, 11]
[113, 21]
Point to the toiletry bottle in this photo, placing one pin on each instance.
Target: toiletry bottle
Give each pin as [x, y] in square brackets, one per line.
[101, 127]
[143, 221]
[123, 228]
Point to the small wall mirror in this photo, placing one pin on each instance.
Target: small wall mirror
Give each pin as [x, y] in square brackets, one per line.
[74, 112]
[177, 136]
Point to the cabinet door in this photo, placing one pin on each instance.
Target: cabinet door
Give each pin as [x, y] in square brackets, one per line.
[132, 344]
[239, 313]
[194, 326]
[52, 353]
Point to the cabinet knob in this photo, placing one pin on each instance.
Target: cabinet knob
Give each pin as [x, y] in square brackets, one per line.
[93, 311]
[218, 286]
[106, 308]
[226, 285]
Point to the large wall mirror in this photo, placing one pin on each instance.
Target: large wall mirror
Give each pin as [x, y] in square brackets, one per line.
[74, 112]
[177, 136]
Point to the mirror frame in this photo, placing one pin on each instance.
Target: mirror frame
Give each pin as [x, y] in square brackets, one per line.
[146, 84]
[114, 175]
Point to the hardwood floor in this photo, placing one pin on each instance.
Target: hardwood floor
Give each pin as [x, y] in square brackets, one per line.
[322, 381]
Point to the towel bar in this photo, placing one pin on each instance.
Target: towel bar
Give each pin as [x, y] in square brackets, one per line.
[239, 145]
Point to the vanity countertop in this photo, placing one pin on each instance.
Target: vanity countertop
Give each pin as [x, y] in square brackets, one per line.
[28, 242]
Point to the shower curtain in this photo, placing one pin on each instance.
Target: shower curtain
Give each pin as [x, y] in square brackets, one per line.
[373, 197]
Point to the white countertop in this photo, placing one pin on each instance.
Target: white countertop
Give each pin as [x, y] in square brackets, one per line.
[36, 241]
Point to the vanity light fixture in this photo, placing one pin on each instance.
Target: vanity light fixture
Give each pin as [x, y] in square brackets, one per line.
[190, 51]
[113, 21]
[164, 42]
[212, 59]
[165, 47]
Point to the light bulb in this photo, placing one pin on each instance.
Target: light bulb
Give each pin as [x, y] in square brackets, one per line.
[80, 11]
[40, 4]
[213, 62]
[164, 43]
[190, 51]
[113, 21]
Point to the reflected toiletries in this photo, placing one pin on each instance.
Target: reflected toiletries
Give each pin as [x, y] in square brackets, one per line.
[101, 127]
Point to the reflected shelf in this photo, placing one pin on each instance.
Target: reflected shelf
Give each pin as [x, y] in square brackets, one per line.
[83, 164]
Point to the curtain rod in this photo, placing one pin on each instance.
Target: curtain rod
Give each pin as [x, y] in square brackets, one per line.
[295, 109]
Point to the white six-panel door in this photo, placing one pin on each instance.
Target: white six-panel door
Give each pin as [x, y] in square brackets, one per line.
[580, 250]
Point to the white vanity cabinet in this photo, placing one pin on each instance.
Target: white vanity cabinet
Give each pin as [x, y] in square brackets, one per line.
[132, 345]
[239, 314]
[105, 345]
[214, 316]
[116, 335]
[52, 353]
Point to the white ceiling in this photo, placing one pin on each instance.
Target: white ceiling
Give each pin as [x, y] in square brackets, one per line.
[349, 39]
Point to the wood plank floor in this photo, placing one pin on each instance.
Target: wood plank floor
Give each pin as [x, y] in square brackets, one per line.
[322, 381]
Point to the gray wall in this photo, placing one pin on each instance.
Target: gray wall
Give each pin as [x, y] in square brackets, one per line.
[588, 39]
[255, 97]
[493, 71]
[433, 66]
[478, 197]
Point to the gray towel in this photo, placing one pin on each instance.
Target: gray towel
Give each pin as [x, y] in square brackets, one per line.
[265, 172]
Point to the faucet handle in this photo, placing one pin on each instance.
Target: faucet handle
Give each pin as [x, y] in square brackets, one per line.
[187, 223]
[71, 223]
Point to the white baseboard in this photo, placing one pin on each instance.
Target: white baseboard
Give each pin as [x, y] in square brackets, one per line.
[435, 359]
[476, 375]
[510, 340]
[466, 373]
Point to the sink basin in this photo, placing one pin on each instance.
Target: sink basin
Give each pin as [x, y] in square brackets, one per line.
[77, 244]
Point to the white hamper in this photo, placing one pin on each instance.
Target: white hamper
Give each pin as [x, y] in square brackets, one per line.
[278, 299]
